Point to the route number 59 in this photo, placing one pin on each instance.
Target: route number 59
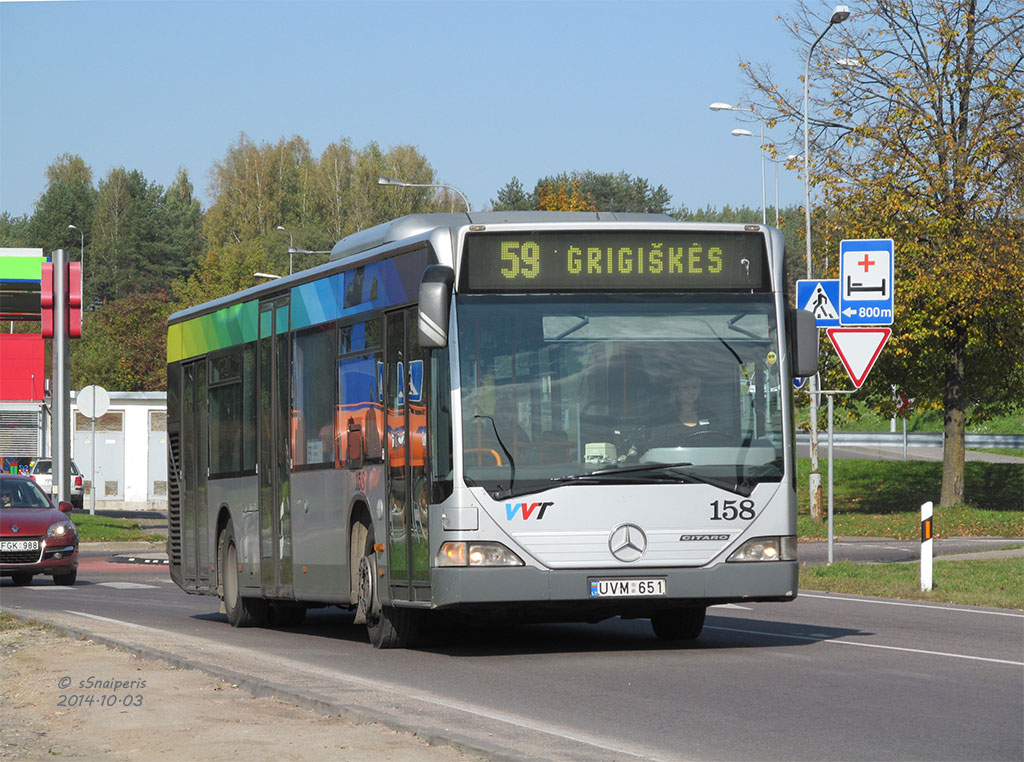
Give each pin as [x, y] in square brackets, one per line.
[520, 258]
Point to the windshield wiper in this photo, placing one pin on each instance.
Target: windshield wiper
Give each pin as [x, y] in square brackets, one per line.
[511, 460]
[743, 487]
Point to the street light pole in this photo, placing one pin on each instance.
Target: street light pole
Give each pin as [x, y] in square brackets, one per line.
[747, 133]
[839, 14]
[81, 251]
[403, 184]
[291, 246]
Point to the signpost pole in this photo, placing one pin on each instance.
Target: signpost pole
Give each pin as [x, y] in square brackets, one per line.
[831, 532]
[92, 476]
[93, 402]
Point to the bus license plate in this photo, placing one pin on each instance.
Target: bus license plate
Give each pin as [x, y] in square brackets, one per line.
[626, 588]
[11, 546]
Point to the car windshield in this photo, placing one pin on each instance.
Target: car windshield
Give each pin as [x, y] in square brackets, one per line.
[643, 388]
[46, 467]
[21, 494]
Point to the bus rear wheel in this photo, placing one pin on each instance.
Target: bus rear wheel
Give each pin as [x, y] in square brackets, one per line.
[387, 626]
[242, 612]
[679, 624]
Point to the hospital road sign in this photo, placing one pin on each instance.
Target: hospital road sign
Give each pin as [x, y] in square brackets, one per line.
[866, 273]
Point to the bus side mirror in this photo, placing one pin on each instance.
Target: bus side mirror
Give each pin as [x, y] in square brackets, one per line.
[435, 303]
[804, 343]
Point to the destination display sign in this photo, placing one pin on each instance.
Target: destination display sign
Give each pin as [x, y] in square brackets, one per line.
[590, 260]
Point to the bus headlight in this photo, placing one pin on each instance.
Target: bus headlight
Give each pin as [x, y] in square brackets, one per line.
[476, 554]
[766, 549]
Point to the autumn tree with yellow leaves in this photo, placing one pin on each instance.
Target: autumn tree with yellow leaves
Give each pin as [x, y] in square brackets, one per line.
[917, 114]
[563, 195]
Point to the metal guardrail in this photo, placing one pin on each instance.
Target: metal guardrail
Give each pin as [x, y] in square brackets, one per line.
[888, 439]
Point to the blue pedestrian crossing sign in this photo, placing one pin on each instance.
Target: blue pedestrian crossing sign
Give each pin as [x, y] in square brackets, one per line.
[866, 273]
[822, 298]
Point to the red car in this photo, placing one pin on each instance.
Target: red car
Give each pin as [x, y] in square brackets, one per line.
[35, 537]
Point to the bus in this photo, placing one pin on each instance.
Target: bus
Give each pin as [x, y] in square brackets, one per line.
[467, 413]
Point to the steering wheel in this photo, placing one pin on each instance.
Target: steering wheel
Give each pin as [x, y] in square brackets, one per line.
[711, 437]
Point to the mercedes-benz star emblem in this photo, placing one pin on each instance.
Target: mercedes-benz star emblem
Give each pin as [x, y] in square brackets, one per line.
[627, 542]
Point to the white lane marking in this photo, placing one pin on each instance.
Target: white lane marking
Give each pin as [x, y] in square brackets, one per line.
[430, 698]
[49, 587]
[812, 639]
[730, 606]
[126, 585]
[111, 621]
[1015, 614]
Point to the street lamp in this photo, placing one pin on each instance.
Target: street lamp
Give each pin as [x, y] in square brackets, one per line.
[403, 184]
[839, 14]
[291, 246]
[81, 256]
[269, 276]
[747, 133]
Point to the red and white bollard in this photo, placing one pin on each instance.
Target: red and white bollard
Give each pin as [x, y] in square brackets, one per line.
[926, 546]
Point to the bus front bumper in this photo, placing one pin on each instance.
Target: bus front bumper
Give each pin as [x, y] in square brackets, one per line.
[527, 587]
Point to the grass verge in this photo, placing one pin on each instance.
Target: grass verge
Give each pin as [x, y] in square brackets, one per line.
[956, 521]
[985, 582]
[107, 529]
[883, 499]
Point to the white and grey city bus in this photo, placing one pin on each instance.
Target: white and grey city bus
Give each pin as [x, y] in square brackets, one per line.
[479, 414]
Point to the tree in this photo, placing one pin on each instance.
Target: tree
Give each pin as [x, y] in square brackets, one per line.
[512, 198]
[920, 138]
[124, 346]
[597, 191]
[142, 240]
[69, 199]
[14, 231]
[563, 195]
[257, 188]
[225, 270]
[184, 220]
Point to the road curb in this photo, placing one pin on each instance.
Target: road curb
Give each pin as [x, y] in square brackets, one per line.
[261, 688]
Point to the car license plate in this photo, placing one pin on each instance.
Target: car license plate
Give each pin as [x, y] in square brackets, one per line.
[11, 546]
[627, 588]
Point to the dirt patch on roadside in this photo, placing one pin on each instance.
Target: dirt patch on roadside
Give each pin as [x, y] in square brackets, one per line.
[73, 699]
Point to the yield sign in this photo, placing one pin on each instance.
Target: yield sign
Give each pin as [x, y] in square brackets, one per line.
[858, 348]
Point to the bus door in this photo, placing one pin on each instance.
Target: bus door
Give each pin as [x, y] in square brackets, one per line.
[408, 486]
[274, 458]
[194, 466]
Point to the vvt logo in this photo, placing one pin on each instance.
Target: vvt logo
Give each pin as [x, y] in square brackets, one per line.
[527, 509]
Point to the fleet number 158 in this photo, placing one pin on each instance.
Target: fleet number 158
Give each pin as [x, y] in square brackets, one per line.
[728, 510]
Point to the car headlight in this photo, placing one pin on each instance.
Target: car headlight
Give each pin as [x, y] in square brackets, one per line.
[766, 549]
[476, 554]
[61, 530]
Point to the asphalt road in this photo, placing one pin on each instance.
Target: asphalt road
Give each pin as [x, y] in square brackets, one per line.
[826, 677]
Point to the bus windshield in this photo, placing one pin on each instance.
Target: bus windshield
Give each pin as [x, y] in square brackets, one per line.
[613, 389]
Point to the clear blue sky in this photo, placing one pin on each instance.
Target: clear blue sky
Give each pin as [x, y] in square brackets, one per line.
[485, 90]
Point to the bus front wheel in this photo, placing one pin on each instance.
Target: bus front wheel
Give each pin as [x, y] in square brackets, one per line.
[679, 624]
[242, 612]
[387, 626]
